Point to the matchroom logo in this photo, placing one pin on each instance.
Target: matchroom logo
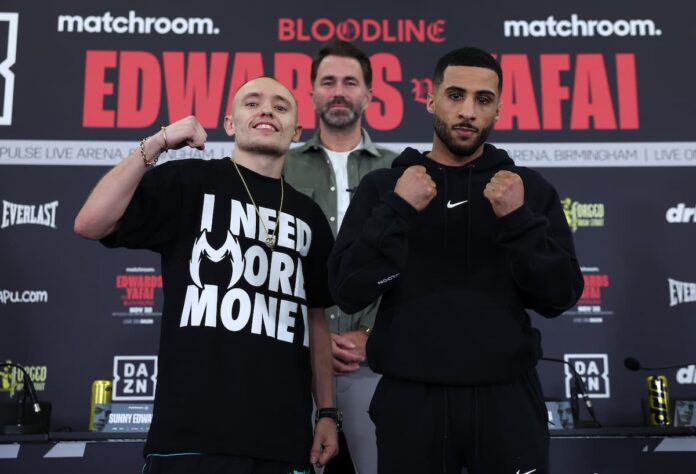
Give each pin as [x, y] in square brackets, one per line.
[9, 56]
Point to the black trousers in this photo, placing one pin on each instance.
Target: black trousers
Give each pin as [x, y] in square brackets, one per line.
[489, 429]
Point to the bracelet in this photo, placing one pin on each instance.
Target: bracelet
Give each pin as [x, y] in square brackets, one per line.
[148, 164]
[164, 135]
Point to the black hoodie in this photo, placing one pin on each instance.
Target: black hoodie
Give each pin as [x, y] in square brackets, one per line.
[455, 280]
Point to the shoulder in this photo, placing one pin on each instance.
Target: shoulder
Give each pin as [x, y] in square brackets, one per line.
[381, 178]
[386, 153]
[299, 159]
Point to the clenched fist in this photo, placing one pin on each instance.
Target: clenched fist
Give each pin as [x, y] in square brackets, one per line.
[505, 192]
[416, 187]
[187, 131]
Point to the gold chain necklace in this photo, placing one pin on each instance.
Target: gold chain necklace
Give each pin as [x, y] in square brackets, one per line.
[270, 238]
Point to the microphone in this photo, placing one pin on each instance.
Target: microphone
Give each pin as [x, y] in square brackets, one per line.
[29, 388]
[632, 364]
[579, 389]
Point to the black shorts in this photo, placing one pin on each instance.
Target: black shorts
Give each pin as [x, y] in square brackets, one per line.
[489, 429]
[194, 463]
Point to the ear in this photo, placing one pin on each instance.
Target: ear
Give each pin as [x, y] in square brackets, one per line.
[298, 133]
[368, 99]
[229, 126]
[429, 102]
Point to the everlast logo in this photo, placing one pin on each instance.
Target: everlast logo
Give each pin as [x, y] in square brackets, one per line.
[18, 214]
[681, 292]
[681, 214]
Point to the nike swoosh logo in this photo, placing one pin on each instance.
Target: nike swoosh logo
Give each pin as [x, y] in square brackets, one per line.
[528, 472]
[450, 205]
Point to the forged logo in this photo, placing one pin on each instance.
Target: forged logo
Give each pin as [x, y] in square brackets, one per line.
[594, 371]
[580, 214]
[9, 57]
[12, 379]
[135, 378]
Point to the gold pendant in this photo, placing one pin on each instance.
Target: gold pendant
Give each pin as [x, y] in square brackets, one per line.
[270, 241]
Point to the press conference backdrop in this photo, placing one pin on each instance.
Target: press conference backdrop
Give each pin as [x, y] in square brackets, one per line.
[598, 97]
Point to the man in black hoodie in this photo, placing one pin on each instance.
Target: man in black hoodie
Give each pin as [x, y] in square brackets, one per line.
[459, 242]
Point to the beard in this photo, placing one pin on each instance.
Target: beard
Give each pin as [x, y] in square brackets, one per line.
[443, 132]
[340, 118]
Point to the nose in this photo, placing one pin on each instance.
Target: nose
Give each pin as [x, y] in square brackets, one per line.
[467, 109]
[338, 90]
[266, 108]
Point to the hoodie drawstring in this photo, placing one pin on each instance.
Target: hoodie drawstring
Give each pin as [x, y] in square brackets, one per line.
[468, 215]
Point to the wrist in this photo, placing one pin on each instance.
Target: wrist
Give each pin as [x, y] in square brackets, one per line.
[331, 413]
[152, 147]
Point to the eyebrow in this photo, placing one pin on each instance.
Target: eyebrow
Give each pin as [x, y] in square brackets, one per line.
[333, 77]
[487, 92]
[258, 95]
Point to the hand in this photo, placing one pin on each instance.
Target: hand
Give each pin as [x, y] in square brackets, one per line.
[505, 192]
[416, 187]
[348, 351]
[187, 131]
[325, 444]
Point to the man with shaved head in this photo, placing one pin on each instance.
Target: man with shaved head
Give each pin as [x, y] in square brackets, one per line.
[245, 286]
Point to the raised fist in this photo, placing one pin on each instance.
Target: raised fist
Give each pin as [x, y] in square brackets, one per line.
[505, 192]
[416, 187]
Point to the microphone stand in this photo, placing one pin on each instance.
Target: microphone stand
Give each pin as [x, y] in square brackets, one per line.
[578, 391]
[28, 391]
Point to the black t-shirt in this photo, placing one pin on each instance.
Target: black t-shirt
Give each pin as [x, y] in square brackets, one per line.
[234, 374]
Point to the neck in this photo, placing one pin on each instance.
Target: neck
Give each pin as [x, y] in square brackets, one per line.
[441, 154]
[266, 165]
[340, 139]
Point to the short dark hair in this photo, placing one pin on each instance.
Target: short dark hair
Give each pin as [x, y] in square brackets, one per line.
[346, 50]
[468, 56]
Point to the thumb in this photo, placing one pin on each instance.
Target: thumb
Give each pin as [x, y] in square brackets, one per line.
[315, 453]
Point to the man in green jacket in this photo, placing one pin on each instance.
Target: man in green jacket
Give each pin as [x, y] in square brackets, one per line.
[328, 168]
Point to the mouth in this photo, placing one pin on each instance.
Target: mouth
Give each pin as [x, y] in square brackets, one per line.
[465, 132]
[265, 126]
[339, 105]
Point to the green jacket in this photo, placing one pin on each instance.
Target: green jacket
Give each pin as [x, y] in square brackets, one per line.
[307, 169]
